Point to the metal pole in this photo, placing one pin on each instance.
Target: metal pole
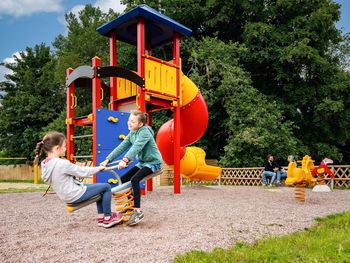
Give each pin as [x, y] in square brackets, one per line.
[82, 136]
[36, 173]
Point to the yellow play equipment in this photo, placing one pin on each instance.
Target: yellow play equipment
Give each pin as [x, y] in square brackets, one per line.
[301, 177]
[194, 168]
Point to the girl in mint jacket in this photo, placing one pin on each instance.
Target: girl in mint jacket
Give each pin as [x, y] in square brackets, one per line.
[142, 145]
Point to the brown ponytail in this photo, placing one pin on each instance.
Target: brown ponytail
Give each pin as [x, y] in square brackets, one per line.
[49, 141]
[38, 151]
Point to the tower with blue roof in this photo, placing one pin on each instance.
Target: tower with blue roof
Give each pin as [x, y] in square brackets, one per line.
[147, 29]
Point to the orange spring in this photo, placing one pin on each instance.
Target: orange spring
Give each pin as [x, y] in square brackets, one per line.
[299, 193]
[124, 203]
[321, 179]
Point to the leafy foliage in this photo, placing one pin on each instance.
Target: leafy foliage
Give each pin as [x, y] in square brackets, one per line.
[295, 55]
[32, 100]
[245, 125]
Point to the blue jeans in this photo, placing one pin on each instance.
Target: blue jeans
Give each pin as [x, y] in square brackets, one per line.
[281, 175]
[270, 174]
[104, 204]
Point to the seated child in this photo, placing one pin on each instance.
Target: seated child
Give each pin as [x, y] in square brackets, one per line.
[142, 145]
[61, 175]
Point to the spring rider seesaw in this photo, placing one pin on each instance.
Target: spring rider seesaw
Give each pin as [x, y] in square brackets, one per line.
[301, 177]
[124, 198]
[122, 194]
[320, 172]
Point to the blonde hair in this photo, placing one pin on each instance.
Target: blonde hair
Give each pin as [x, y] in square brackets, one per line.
[49, 141]
[290, 158]
[141, 116]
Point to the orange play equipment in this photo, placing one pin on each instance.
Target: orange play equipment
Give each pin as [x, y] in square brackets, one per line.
[193, 123]
[301, 177]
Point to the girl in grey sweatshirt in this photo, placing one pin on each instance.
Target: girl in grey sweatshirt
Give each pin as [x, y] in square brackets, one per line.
[61, 175]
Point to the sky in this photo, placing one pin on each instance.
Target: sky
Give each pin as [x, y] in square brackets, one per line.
[26, 23]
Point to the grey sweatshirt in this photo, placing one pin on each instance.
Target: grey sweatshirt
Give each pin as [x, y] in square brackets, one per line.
[59, 173]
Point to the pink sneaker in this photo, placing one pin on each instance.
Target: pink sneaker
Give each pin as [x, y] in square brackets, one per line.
[100, 221]
[113, 220]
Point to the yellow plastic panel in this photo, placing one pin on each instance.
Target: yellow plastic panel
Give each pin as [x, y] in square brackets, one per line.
[126, 88]
[152, 75]
[160, 77]
[168, 80]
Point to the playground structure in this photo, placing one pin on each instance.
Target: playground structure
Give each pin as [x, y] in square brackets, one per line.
[301, 177]
[156, 85]
[320, 172]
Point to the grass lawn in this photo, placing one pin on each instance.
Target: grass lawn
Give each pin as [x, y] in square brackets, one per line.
[16, 186]
[26, 190]
[327, 241]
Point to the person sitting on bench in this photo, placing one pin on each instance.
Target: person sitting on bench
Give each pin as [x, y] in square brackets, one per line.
[61, 175]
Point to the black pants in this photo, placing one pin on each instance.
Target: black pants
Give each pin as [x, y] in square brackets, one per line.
[135, 175]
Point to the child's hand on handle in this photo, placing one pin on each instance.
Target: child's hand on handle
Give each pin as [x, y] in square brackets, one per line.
[104, 163]
[123, 163]
[101, 167]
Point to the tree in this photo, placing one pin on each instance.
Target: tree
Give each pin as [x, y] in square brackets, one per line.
[82, 43]
[31, 101]
[293, 56]
[244, 125]
[290, 58]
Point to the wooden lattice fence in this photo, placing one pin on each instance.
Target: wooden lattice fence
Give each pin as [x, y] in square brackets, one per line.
[241, 176]
[341, 176]
[252, 176]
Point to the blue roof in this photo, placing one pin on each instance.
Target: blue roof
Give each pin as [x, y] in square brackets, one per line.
[159, 29]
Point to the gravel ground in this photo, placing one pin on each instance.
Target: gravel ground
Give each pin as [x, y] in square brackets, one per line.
[36, 229]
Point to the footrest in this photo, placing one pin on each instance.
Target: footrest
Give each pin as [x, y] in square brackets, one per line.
[71, 207]
[156, 173]
[127, 185]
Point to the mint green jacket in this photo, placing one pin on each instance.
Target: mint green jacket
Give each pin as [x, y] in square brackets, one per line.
[143, 147]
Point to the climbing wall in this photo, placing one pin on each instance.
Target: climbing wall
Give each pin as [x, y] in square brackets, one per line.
[111, 129]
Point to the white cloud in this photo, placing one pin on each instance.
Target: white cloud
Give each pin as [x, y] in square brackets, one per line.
[105, 5]
[5, 71]
[19, 8]
[76, 9]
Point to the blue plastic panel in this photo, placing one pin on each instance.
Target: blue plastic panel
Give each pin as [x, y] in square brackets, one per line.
[107, 139]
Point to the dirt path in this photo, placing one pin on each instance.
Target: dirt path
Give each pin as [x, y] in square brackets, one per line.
[36, 229]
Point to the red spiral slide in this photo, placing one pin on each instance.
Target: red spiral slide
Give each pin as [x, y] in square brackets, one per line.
[193, 123]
